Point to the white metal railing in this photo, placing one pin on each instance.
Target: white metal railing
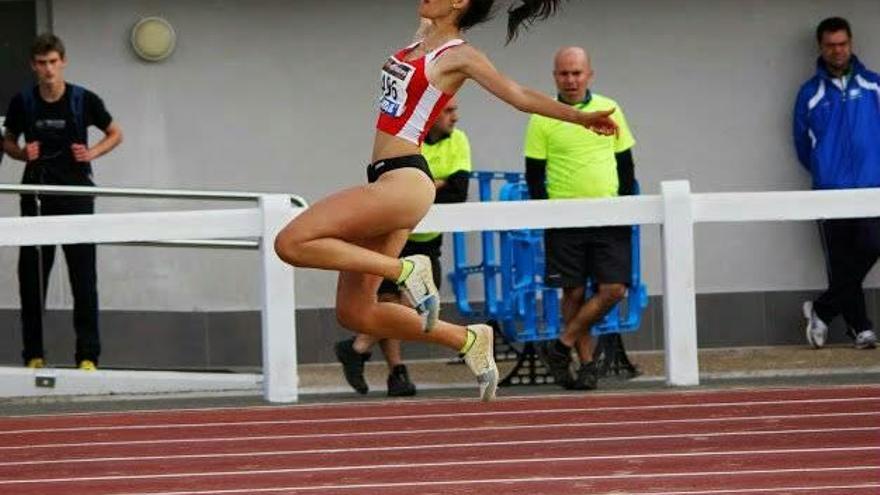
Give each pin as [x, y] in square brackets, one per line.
[222, 228]
[676, 209]
[183, 194]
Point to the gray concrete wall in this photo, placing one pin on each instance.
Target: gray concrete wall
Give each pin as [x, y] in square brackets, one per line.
[276, 95]
[230, 340]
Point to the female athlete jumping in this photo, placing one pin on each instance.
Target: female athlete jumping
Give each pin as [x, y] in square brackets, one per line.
[360, 231]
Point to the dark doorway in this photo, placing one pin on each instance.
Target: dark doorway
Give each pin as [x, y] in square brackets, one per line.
[18, 28]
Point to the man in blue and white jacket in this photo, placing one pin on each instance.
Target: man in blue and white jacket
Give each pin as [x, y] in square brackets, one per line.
[837, 137]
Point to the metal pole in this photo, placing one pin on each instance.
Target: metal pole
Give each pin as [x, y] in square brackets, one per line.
[40, 283]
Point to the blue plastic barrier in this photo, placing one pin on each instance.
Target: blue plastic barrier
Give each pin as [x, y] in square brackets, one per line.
[526, 309]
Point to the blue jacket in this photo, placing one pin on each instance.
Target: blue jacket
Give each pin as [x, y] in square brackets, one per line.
[837, 128]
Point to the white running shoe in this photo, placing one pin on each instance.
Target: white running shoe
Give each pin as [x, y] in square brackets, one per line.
[816, 329]
[866, 339]
[420, 291]
[481, 361]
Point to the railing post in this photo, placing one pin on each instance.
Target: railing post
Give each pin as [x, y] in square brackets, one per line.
[280, 378]
[679, 294]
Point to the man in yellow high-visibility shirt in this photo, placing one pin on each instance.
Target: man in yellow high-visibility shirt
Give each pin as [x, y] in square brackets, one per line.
[566, 161]
[448, 153]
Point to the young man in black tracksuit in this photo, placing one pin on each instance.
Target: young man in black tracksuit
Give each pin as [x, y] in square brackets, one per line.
[53, 117]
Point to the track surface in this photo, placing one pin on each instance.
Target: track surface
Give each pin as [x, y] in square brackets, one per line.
[744, 441]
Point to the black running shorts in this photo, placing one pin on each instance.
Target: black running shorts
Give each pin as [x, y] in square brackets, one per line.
[602, 254]
[375, 170]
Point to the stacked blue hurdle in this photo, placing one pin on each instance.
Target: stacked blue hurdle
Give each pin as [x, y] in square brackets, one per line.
[518, 303]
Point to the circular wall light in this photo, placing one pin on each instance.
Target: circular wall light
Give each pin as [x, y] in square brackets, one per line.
[153, 39]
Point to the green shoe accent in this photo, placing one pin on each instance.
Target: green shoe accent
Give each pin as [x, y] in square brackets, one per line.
[406, 269]
[469, 342]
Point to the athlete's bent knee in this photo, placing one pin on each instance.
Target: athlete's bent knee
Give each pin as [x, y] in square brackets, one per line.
[287, 248]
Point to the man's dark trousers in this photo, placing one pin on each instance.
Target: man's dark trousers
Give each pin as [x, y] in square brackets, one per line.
[81, 271]
[852, 246]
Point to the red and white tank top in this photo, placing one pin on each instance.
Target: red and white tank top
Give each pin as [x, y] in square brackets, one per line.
[408, 103]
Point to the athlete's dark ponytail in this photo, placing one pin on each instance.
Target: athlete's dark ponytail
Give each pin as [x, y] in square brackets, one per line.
[523, 14]
[527, 13]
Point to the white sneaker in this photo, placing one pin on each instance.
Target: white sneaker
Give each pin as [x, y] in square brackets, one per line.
[866, 339]
[481, 361]
[420, 291]
[816, 330]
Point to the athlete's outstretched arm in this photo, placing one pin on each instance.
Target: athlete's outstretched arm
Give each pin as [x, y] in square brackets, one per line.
[475, 65]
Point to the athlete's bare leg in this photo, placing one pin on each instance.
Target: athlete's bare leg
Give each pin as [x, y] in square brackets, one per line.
[363, 343]
[328, 234]
[358, 308]
[360, 232]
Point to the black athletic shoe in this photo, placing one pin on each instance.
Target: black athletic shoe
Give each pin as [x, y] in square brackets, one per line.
[353, 365]
[557, 357]
[399, 384]
[587, 377]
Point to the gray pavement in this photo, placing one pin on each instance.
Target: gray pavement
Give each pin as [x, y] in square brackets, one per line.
[789, 366]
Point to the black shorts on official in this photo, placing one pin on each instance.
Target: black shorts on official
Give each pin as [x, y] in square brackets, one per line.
[602, 254]
[375, 170]
[431, 249]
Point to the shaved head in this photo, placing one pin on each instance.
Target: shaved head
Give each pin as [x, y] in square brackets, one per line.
[573, 54]
[573, 73]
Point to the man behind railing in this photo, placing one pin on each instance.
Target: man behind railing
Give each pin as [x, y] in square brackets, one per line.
[54, 117]
[837, 138]
[565, 161]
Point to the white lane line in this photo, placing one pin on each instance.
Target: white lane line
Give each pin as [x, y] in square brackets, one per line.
[811, 489]
[278, 453]
[592, 438]
[491, 414]
[753, 491]
[423, 402]
[519, 480]
[366, 404]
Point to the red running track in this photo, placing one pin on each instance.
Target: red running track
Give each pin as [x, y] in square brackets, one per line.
[761, 441]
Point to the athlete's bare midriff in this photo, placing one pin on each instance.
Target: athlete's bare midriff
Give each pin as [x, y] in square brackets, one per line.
[387, 146]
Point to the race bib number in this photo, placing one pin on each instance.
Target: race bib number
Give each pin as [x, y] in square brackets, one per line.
[395, 80]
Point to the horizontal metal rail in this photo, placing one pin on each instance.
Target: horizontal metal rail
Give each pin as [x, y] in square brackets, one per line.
[243, 244]
[249, 244]
[297, 200]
